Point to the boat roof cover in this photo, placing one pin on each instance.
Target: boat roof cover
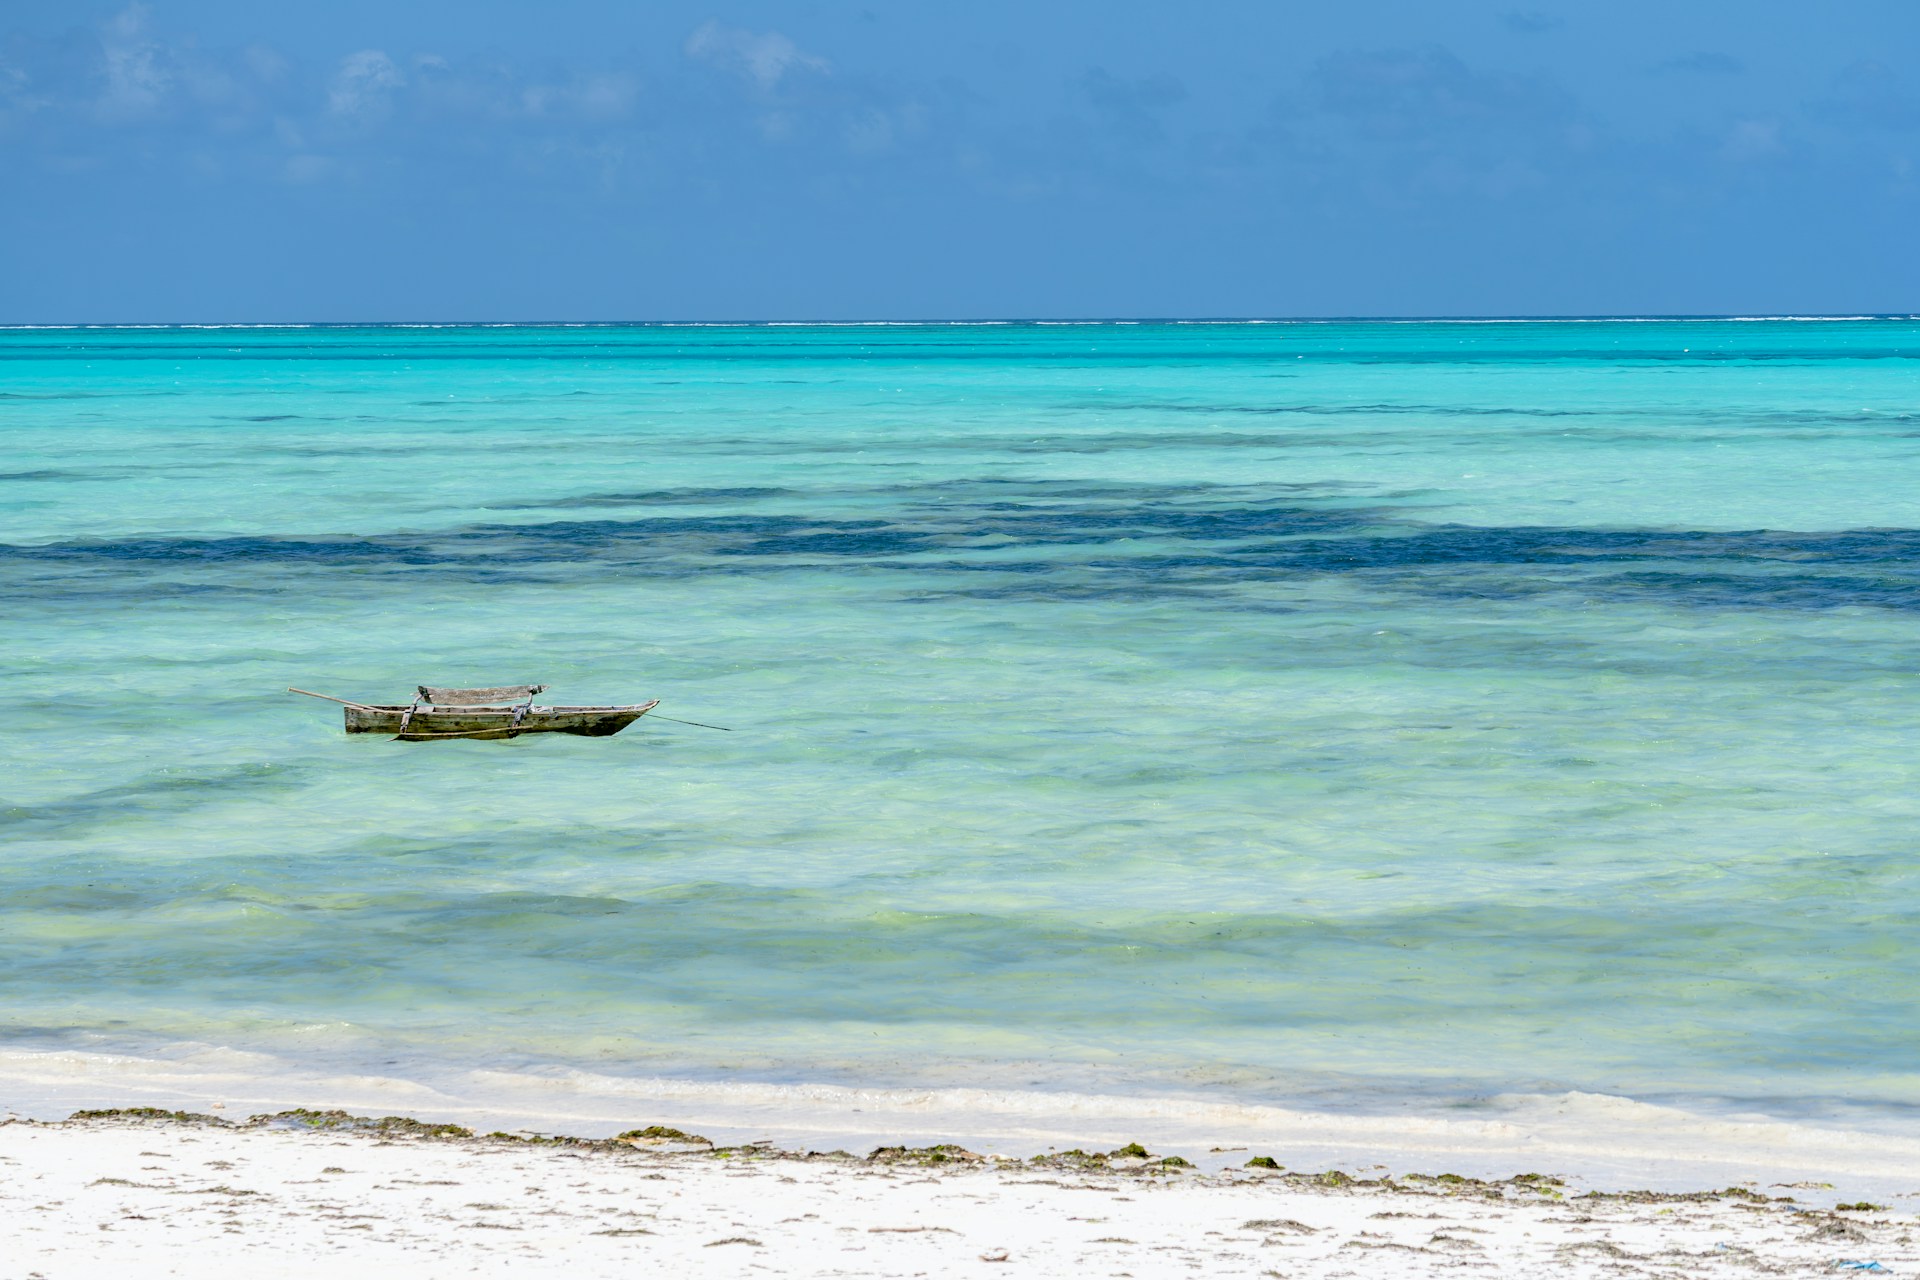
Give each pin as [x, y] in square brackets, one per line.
[477, 697]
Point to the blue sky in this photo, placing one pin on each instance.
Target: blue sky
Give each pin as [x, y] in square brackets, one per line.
[204, 160]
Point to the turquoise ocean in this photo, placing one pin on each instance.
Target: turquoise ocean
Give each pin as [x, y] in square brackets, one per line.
[1337, 714]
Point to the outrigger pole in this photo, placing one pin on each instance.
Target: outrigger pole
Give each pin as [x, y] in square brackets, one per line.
[328, 697]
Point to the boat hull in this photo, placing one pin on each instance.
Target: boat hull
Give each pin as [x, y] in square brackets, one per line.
[485, 723]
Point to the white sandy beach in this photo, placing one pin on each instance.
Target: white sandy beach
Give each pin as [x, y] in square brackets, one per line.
[159, 1197]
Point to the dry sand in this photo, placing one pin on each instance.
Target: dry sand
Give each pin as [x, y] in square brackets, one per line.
[125, 1197]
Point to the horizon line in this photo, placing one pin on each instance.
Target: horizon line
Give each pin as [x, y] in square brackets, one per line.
[969, 322]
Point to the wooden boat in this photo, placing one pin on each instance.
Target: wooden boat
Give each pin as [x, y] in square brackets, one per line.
[502, 711]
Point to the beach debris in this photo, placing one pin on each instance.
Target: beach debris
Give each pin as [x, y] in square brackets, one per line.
[386, 1126]
[1665, 1197]
[745, 1151]
[1604, 1248]
[660, 1135]
[1385, 1246]
[994, 1255]
[1840, 1229]
[1861, 1206]
[152, 1114]
[944, 1153]
[1454, 1184]
[1442, 1240]
[1131, 1156]
[1072, 1159]
[527, 1138]
[1847, 1264]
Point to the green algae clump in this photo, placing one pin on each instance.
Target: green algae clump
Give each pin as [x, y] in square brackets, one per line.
[1263, 1162]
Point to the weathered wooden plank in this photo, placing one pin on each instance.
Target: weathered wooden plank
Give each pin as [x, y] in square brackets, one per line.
[428, 723]
[478, 697]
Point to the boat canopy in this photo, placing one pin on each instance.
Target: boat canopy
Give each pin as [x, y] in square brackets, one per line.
[477, 697]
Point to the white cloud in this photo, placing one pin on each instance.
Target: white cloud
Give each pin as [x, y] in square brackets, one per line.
[761, 57]
[873, 130]
[869, 132]
[16, 93]
[363, 86]
[606, 96]
[136, 79]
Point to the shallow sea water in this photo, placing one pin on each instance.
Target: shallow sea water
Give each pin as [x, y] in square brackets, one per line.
[1327, 713]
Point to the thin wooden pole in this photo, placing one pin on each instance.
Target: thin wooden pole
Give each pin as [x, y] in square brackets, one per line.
[695, 723]
[330, 698]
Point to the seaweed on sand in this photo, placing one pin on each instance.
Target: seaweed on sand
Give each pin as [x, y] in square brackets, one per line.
[387, 1126]
[662, 1135]
[944, 1153]
[154, 1114]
